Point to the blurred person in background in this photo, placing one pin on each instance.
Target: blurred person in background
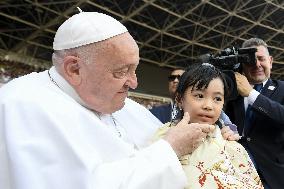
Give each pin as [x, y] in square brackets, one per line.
[166, 112]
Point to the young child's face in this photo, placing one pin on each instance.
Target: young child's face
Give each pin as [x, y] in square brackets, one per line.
[204, 105]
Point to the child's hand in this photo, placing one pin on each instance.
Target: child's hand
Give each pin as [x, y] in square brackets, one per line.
[229, 134]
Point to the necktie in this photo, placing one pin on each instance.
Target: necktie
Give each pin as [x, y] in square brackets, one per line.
[249, 112]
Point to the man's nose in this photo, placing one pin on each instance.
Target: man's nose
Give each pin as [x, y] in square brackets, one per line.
[257, 63]
[132, 81]
[176, 80]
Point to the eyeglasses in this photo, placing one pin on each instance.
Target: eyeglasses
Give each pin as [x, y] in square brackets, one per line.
[173, 77]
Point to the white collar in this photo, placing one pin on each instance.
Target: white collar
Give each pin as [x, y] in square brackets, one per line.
[263, 83]
[58, 80]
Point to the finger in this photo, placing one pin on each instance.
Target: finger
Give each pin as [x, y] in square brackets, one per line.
[200, 141]
[207, 128]
[232, 127]
[228, 129]
[237, 75]
[225, 129]
[186, 118]
[228, 134]
[203, 138]
[234, 137]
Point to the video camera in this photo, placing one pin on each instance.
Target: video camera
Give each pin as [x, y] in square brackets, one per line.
[230, 60]
[233, 58]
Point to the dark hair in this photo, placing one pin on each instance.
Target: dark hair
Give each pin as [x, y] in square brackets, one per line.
[174, 69]
[198, 76]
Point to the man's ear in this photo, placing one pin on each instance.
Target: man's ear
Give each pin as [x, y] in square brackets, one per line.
[72, 66]
[271, 60]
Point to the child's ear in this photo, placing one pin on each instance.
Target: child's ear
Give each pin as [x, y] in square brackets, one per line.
[180, 105]
[179, 102]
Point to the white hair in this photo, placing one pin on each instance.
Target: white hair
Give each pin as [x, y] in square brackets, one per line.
[87, 53]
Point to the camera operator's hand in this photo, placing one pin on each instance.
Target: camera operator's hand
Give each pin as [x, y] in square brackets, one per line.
[185, 138]
[244, 88]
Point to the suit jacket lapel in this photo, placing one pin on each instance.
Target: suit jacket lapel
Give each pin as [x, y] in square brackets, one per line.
[269, 88]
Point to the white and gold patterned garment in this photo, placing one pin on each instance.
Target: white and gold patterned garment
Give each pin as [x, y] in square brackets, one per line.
[217, 163]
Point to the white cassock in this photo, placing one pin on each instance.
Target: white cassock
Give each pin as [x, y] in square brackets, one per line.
[49, 141]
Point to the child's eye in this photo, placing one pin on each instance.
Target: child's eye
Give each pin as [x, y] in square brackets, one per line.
[198, 95]
[218, 98]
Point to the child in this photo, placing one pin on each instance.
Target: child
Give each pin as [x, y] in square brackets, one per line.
[216, 163]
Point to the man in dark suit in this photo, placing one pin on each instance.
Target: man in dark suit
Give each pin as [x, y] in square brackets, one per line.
[260, 115]
[165, 113]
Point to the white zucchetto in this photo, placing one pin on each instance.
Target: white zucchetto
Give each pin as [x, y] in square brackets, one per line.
[85, 28]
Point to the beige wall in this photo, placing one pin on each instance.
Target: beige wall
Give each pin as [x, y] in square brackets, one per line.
[152, 79]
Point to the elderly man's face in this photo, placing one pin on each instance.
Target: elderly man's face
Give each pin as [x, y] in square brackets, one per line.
[107, 79]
